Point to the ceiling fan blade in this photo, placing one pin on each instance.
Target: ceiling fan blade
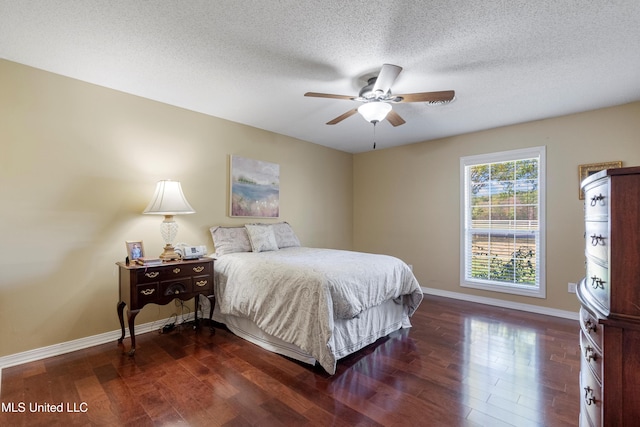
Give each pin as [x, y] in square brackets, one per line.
[328, 95]
[387, 76]
[343, 116]
[442, 96]
[395, 119]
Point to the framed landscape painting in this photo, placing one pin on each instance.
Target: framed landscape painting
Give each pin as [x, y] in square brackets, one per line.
[255, 188]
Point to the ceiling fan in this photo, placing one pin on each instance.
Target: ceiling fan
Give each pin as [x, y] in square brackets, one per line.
[377, 98]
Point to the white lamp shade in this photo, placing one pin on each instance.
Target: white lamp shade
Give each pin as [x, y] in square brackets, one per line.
[374, 111]
[168, 199]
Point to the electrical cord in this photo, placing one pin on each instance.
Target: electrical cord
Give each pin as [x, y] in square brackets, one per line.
[183, 308]
[169, 325]
[176, 320]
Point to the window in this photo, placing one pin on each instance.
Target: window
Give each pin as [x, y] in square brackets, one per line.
[503, 225]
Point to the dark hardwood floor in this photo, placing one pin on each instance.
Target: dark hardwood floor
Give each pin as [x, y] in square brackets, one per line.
[461, 364]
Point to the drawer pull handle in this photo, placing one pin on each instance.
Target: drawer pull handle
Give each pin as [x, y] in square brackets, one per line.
[198, 269]
[596, 199]
[596, 240]
[147, 292]
[590, 354]
[590, 326]
[202, 283]
[176, 270]
[152, 274]
[597, 282]
[589, 398]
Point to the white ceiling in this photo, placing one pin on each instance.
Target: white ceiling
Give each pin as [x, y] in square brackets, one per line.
[509, 61]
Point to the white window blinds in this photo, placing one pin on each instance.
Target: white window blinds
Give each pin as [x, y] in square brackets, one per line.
[503, 222]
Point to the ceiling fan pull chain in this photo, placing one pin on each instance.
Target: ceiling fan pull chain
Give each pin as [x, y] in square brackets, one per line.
[374, 134]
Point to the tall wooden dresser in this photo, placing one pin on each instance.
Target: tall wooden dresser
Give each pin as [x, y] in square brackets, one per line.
[610, 298]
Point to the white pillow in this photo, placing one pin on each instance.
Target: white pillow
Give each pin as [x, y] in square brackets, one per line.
[261, 237]
[228, 240]
[285, 237]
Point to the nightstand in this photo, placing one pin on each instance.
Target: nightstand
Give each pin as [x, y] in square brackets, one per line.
[161, 284]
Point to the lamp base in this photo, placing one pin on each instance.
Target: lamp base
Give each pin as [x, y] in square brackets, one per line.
[169, 253]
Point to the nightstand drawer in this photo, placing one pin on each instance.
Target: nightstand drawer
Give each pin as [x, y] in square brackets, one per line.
[200, 269]
[147, 293]
[150, 274]
[201, 283]
[165, 272]
[176, 288]
[162, 272]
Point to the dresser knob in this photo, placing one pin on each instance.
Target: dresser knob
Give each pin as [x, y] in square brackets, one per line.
[152, 274]
[198, 269]
[590, 354]
[589, 398]
[590, 326]
[176, 270]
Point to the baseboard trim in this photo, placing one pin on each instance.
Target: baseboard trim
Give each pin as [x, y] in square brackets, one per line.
[80, 344]
[502, 303]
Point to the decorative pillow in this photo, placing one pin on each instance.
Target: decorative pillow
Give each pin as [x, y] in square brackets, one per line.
[285, 237]
[261, 237]
[228, 240]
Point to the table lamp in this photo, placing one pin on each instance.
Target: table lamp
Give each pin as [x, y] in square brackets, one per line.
[168, 200]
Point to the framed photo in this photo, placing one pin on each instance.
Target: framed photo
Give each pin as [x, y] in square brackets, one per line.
[591, 168]
[135, 249]
[255, 188]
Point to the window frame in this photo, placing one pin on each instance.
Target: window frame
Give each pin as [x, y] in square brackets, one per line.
[505, 156]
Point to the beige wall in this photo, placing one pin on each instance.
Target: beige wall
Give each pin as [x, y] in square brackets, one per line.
[407, 199]
[79, 163]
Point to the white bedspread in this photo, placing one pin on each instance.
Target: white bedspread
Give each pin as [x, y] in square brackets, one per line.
[295, 294]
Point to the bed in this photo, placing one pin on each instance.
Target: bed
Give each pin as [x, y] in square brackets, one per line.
[310, 304]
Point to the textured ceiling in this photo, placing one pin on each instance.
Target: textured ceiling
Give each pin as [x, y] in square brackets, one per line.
[509, 61]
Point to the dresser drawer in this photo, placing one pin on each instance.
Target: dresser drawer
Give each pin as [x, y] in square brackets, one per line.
[597, 283]
[591, 390]
[591, 396]
[597, 239]
[591, 328]
[591, 355]
[596, 201]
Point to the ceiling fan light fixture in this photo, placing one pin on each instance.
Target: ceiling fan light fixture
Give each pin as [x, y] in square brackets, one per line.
[374, 111]
[376, 97]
